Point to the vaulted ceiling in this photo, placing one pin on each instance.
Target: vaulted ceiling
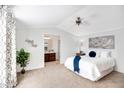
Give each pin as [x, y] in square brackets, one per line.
[94, 18]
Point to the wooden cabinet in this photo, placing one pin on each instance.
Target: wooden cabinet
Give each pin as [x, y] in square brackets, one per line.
[50, 57]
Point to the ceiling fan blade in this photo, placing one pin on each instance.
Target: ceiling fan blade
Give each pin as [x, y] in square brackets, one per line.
[85, 22]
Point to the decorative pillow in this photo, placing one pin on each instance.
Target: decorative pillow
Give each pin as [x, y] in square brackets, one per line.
[98, 54]
[92, 54]
[105, 54]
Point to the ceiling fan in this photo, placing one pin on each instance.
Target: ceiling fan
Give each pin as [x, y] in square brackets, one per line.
[79, 21]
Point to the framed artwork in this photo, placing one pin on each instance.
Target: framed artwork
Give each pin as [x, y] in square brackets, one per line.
[103, 42]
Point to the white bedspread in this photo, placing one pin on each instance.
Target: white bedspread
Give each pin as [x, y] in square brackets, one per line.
[91, 68]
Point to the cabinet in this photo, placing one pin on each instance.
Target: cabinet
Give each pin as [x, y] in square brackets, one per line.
[50, 57]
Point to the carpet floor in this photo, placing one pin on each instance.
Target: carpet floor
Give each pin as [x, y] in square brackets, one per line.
[55, 75]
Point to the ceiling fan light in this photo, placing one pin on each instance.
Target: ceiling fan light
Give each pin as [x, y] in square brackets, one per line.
[78, 21]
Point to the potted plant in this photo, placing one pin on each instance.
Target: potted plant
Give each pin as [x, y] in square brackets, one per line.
[22, 59]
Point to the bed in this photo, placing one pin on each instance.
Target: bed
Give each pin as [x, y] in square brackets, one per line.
[92, 68]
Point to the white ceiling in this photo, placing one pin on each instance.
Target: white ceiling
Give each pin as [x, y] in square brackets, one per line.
[43, 16]
[97, 18]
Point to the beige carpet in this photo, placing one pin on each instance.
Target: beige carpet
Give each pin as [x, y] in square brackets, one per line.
[55, 75]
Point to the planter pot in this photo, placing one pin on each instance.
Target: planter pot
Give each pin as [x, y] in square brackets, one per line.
[23, 71]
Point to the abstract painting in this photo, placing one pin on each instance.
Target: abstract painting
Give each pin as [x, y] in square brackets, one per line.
[103, 42]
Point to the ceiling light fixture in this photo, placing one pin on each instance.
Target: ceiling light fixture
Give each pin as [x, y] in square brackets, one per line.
[78, 21]
[47, 37]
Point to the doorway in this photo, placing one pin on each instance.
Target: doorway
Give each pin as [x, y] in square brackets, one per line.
[51, 48]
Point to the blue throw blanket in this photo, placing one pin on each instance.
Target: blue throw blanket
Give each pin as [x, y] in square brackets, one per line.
[76, 63]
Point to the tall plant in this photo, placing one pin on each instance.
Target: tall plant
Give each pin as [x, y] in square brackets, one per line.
[22, 58]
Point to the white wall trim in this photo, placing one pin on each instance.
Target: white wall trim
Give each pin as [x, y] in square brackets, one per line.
[32, 68]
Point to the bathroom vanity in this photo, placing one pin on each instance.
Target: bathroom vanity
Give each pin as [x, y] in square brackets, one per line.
[49, 57]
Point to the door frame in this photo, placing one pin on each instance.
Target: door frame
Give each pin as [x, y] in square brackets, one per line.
[59, 46]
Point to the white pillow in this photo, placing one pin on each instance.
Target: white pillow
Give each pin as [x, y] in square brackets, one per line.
[98, 54]
[105, 54]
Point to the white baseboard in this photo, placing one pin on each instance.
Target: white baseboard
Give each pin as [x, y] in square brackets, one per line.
[32, 68]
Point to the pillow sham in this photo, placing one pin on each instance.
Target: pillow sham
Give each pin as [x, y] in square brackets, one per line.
[105, 54]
